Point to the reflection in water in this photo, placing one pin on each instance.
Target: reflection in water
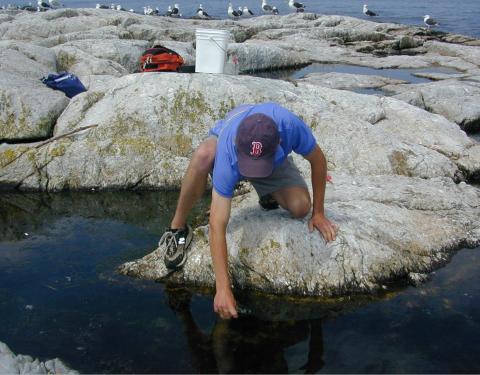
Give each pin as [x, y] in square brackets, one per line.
[22, 213]
[247, 344]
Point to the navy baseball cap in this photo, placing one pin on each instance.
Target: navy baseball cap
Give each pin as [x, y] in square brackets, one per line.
[256, 141]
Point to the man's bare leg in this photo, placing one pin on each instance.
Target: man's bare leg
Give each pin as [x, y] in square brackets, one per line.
[194, 181]
[296, 200]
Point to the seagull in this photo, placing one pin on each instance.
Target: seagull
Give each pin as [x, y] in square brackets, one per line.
[368, 12]
[28, 7]
[265, 7]
[232, 13]
[119, 7]
[274, 10]
[240, 11]
[299, 7]
[54, 3]
[201, 13]
[148, 10]
[247, 12]
[131, 10]
[98, 6]
[168, 13]
[429, 21]
[42, 6]
[176, 11]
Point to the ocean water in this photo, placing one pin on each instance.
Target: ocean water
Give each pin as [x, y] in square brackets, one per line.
[60, 296]
[457, 17]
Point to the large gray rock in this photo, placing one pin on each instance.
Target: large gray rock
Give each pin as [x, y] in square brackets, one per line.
[45, 57]
[125, 52]
[470, 54]
[103, 33]
[141, 131]
[37, 27]
[14, 61]
[97, 82]
[258, 56]
[76, 61]
[24, 364]
[28, 109]
[390, 227]
[458, 101]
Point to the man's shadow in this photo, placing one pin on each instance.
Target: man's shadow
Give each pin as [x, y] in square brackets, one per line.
[246, 344]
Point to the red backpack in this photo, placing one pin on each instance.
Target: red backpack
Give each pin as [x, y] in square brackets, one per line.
[160, 59]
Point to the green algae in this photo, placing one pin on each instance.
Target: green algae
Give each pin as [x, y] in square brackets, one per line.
[65, 60]
[127, 136]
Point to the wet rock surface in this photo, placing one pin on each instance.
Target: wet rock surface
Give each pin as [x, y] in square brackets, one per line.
[24, 364]
[390, 227]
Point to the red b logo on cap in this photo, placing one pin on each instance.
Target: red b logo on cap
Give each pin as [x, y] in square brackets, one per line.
[256, 149]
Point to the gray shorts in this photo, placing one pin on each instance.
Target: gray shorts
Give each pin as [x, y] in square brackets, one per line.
[284, 176]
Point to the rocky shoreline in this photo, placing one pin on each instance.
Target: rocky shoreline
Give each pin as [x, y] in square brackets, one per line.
[399, 162]
[24, 364]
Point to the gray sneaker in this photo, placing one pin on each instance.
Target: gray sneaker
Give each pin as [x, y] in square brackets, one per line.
[176, 242]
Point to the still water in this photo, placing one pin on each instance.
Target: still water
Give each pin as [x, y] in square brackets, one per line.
[407, 75]
[453, 16]
[60, 296]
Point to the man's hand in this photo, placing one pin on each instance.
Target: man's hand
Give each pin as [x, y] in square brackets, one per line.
[324, 226]
[224, 304]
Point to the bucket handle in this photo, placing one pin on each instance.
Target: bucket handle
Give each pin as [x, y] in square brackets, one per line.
[219, 46]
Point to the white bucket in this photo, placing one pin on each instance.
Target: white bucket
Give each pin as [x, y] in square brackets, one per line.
[211, 52]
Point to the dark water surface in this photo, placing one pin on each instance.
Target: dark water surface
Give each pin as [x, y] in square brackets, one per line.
[60, 296]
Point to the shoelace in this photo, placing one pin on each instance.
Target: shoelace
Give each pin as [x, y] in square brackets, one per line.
[168, 238]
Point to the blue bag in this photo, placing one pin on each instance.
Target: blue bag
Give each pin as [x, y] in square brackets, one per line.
[66, 82]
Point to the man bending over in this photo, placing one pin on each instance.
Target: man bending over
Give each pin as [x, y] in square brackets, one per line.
[252, 142]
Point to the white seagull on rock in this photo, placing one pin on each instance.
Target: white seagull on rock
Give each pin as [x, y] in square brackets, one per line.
[299, 7]
[368, 12]
[265, 7]
[429, 21]
[43, 5]
[201, 13]
[274, 10]
[176, 11]
[231, 12]
[247, 12]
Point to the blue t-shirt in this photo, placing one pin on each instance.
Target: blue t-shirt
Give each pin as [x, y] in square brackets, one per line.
[295, 136]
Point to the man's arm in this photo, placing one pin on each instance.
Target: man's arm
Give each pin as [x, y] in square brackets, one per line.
[318, 164]
[224, 303]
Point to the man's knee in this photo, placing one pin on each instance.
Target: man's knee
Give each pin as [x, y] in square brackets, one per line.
[299, 206]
